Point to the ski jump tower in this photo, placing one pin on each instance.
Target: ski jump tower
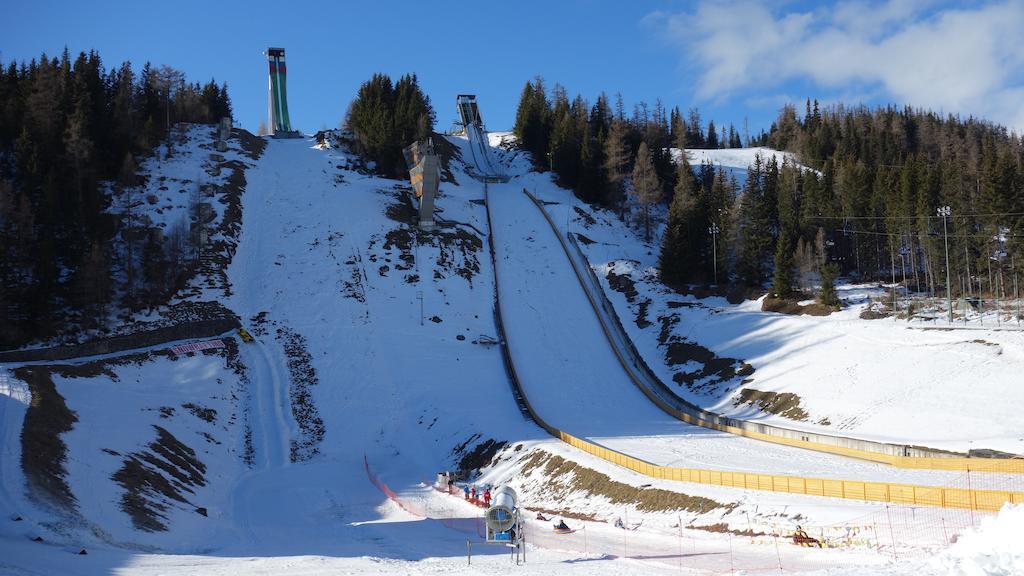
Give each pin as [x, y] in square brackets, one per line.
[469, 117]
[277, 97]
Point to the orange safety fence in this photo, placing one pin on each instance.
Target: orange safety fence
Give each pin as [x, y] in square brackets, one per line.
[965, 497]
[423, 510]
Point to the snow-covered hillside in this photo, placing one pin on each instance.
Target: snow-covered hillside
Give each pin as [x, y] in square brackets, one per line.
[734, 161]
[880, 379]
[374, 355]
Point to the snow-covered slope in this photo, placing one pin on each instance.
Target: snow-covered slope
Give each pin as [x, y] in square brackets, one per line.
[883, 380]
[371, 349]
[367, 334]
[734, 161]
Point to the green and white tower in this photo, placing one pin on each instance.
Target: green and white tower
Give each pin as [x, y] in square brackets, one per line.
[277, 101]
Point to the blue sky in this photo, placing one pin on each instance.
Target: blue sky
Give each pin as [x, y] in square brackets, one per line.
[733, 60]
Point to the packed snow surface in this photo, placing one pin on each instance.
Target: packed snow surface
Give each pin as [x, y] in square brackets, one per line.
[994, 549]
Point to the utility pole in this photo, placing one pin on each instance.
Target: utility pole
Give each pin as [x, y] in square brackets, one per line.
[945, 212]
[967, 277]
[419, 295]
[713, 230]
[892, 261]
[1016, 292]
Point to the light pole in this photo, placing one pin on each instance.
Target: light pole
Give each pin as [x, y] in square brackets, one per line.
[713, 230]
[945, 212]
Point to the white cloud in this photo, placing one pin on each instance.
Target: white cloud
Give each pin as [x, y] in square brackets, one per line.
[967, 61]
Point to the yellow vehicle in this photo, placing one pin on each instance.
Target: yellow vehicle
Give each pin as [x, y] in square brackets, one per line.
[244, 335]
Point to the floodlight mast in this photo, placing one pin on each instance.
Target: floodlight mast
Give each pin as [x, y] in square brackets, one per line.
[946, 212]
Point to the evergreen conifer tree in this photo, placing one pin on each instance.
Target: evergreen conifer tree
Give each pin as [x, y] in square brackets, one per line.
[828, 296]
[616, 160]
[753, 233]
[680, 256]
[646, 186]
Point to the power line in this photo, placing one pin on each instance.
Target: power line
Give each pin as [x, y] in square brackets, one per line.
[990, 215]
[898, 234]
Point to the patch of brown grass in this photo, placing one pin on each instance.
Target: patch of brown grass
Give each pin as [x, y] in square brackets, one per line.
[722, 528]
[595, 483]
[869, 314]
[794, 308]
[715, 372]
[252, 144]
[784, 404]
[552, 513]
[481, 455]
[155, 477]
[43, 452]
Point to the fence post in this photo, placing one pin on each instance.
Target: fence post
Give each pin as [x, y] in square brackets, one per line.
[777, 553]
[679, 518]
[970, 490]
[732, 562]
[874, 528]
[469, 552]
[625, 534]
[892, 535]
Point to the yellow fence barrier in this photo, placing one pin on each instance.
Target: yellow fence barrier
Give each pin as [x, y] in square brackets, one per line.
[911, 494]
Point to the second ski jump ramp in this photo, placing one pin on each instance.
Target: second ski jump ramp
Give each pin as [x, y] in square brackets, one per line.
[579, 390]
[900, 455]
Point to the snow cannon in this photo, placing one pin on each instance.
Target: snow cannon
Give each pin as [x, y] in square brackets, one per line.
[503, 518]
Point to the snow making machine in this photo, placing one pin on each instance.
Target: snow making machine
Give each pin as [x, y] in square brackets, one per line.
[504, 520]
[277, 97]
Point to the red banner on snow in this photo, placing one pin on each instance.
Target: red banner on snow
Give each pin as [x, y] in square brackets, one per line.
[197, 346]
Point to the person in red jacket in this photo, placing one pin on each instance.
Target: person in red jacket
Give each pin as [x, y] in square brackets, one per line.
[487, 497]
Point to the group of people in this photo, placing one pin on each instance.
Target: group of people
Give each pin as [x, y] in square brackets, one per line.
[471, 494]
